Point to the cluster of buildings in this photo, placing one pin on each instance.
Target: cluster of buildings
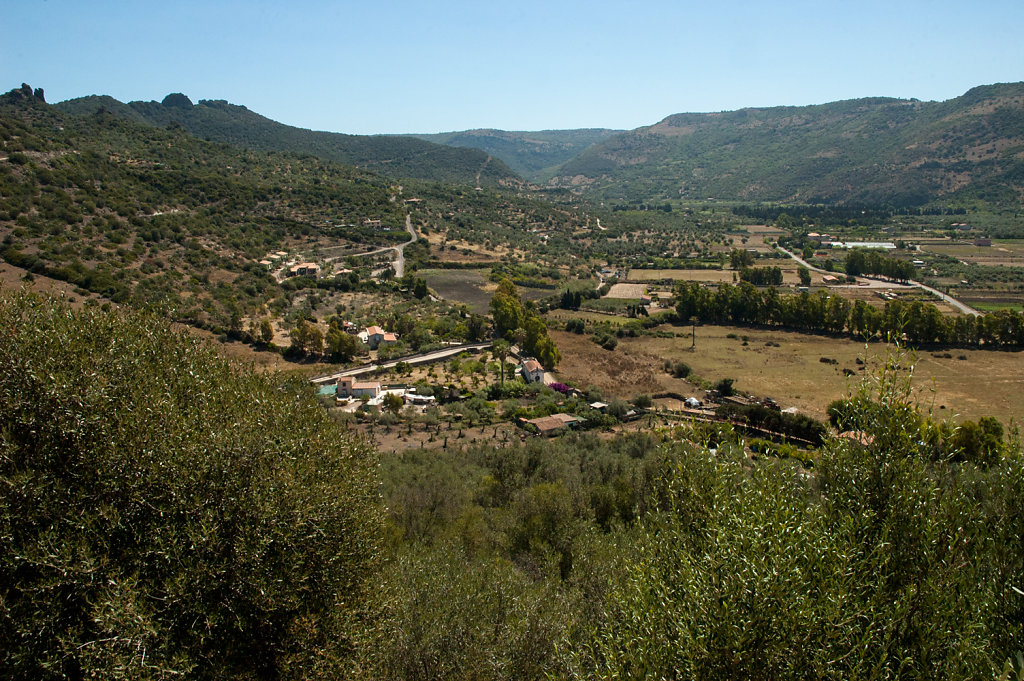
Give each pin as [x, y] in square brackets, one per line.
[302, 269]
[273, 259]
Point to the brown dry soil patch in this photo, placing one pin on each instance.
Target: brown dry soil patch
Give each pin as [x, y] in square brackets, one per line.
[985, 383]
[12, 279]
[626, 291]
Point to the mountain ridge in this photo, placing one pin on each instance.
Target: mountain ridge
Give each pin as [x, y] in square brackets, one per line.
[221, 121]
[967, 151]
[875, 150]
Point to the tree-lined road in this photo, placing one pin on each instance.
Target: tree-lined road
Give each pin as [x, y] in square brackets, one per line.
[962, 307]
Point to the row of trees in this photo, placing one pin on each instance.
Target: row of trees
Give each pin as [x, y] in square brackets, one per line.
[762, 276]
[916, 322]
[864, 261]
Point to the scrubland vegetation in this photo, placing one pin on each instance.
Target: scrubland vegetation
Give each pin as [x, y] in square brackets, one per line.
[166, 513]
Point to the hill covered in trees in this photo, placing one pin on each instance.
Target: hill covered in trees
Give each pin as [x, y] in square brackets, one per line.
[155, 216]
[158, 217]
[534, 155]
[220, 121]
[904, 153]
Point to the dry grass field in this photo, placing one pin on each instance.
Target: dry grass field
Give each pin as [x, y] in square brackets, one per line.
[985, 383]
[764, 229]
[626, 291]
[680, 275]
[753, 243]
[788, 267]
[12, 279]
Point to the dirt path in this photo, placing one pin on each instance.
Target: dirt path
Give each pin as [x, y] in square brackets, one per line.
[398, 264]
[400, 250]
[480, 172]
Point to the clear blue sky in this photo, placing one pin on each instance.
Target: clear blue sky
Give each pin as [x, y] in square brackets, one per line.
[391, 66]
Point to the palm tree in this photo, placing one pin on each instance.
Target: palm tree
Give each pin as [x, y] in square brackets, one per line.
[500, 349]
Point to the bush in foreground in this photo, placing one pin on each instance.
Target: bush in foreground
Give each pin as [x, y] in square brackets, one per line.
[164, 513]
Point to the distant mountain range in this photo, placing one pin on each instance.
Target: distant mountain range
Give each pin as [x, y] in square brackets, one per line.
[877, 151]
[864, 151]
[390, 155]
[536, 156]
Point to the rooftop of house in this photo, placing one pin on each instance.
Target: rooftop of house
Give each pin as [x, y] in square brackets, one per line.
[532, 365]
[352, 384]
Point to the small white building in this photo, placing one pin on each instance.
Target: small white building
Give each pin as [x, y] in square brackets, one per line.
[877, 245]
[376, 336]
[532, 371]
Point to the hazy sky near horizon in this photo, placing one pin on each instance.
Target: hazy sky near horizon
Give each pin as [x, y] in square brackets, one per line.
[394, 66]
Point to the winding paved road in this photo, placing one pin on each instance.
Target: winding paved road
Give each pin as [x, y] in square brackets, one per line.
[398, 264]
[400, 249]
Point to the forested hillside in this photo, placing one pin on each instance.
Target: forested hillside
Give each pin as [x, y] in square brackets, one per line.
[904, 153]
[389, 155]
[534, 155]
[155, 216]
[160, 218]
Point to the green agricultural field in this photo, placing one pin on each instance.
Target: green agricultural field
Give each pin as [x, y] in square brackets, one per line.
[991, 305]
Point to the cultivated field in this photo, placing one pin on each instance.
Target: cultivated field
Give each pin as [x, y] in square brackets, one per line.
[1004, 252]
[680, 275]
[753, 243]
[985, 383]
[626, 291]
[764, 229]
[464, 286]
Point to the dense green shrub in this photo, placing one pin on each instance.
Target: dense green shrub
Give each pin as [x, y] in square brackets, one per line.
[164, 513]
[884, 563]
